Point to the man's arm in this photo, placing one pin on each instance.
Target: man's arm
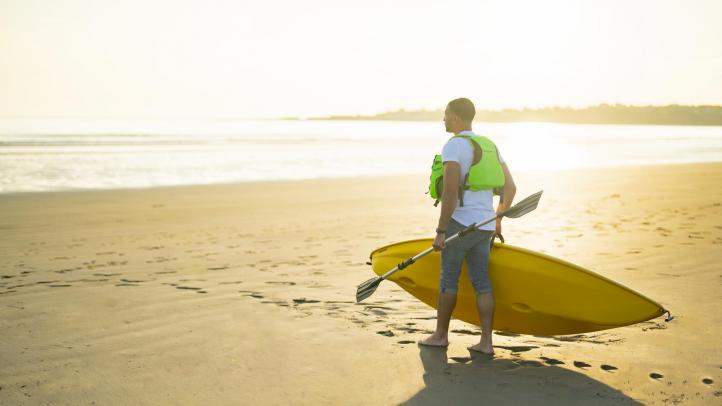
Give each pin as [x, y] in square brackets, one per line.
[449, 197]
[509, 190]
[507, 196]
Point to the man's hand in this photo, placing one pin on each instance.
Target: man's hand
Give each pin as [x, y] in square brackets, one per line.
[497, 233]
[439, 242]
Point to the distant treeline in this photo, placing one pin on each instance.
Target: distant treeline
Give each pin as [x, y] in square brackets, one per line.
[601, 114]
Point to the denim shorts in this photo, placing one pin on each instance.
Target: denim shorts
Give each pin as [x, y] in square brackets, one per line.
[474, 247]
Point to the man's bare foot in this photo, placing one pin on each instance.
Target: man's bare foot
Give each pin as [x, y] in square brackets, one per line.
[435, 341]
[479, 348]
[484, 347]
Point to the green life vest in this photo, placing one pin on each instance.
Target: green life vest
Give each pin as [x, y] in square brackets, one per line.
[486, 173]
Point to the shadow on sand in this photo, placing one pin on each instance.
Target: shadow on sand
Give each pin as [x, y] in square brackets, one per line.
[482, 380]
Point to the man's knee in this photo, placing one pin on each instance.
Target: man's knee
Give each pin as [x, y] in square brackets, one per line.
[482, 285]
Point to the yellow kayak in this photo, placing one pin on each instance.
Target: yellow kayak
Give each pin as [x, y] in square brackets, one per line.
[534, 293]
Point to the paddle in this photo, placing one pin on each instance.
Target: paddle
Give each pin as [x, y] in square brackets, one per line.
[368, 288]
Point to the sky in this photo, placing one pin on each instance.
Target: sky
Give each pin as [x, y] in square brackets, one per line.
[271, 58]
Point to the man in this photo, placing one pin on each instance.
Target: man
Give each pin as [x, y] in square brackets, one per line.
[461, 206]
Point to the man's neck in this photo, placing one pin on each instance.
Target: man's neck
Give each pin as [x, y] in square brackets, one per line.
[462, 130]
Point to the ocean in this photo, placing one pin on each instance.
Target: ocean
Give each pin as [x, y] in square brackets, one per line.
[38, 154]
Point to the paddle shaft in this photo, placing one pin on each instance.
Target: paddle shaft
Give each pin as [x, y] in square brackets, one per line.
[430, 249]
[367, 288]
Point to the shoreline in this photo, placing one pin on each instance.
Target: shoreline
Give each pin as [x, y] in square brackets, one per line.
[552, 172]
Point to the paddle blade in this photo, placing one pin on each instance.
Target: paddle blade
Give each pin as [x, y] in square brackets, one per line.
[367, 288]
[524, 206]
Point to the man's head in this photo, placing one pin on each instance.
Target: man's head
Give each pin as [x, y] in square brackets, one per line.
[458, 115]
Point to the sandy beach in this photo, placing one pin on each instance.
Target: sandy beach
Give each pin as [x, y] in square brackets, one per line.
[244, 294]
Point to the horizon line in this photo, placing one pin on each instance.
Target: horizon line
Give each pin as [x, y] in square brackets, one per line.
[350, 115]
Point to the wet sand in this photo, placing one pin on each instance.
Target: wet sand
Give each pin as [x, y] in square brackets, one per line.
[244, 293]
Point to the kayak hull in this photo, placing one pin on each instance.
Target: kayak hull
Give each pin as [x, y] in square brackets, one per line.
[534, 293]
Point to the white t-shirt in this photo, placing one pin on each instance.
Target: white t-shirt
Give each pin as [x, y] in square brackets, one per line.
[478, 206]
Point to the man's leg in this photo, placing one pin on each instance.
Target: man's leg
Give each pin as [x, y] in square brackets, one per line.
[446, 304]
[478, 260]
[451, 259]
[485, 305]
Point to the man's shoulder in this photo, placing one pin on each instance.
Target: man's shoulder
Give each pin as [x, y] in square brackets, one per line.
[457, 142]
[456, 148]
[459, 139]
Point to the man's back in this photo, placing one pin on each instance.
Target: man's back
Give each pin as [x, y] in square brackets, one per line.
[478, 205]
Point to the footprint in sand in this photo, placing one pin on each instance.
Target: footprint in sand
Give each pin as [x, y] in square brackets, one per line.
[126, 284]
[230, 283]
[280, 283]
[504, 333]
[375, 311]
[608, 368]
[466, 332]
[276, 302]
[529, 363]
[552, 361]
[410, 329]
[707, 381]
[255, 295]
[387, 333]
[580, 364]
[656, 376]
[517, 348]
[90, 280]
[302, 300]
[374, 306]
[461, 360]
[187, 287]
[406, 342]
[59, 286]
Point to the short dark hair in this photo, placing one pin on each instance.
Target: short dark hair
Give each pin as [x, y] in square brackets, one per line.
[463, 108]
